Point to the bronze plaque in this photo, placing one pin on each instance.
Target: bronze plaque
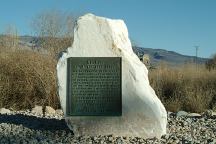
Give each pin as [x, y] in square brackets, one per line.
[94, 86]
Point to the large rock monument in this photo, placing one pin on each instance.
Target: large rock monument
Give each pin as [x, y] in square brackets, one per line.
[143, 114]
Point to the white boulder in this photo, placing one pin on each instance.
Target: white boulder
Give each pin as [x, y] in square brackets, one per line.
[38, 110]
[143, 114]
[49, 110]
[4, 111]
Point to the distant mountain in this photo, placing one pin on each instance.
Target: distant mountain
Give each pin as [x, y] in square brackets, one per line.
[170, 57]
[156, 55]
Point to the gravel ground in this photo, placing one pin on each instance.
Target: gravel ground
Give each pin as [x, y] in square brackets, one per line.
[25, 127]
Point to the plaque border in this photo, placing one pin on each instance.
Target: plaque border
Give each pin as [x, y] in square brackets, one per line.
[68, 83]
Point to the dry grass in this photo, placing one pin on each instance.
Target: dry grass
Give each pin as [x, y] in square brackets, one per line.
[27, 78]
[188, 87]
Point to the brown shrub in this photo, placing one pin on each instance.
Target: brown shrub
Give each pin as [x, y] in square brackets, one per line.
[27, 78]
[185, 88]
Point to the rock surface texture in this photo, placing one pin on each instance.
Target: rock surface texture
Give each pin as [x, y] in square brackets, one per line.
[143, 114]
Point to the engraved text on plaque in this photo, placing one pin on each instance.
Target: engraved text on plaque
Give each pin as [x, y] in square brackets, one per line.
[94, 86]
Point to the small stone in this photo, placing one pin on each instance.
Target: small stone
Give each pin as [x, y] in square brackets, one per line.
[165, 136]
[119, 140]
[185, 123]
[95, 138]
[181, 113]
[110, 139]
[193, 115]
[202, 120]
[208, 113]
[4, 111]
[170, 113]
[59, 112]
[176, 141]
[38, 110]
[189, 120]
[213, 114]
[49, 110]
[213, 142]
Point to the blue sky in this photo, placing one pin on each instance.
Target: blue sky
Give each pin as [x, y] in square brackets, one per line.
[176, 25]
